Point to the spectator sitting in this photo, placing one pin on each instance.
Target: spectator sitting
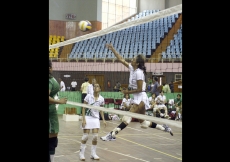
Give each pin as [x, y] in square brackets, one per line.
[125, 105]
[152, 104]
[161, 100]
[178, 106]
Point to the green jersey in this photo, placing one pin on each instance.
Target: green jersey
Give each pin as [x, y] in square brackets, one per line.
[177, 101]
[54, 89]
[53, 117]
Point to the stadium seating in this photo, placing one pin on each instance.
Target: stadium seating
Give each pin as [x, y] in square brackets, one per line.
[53, 39]
[144, 40]
[174, 50]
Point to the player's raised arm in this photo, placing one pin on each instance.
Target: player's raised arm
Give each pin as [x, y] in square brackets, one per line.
[118, 56]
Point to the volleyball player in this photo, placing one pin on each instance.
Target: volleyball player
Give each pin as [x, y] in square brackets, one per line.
[90, 121]
[136, 85]
[54, 88]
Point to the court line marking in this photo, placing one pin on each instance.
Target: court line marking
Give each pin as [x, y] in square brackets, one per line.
[127, 155]
[151, 148]
[124, 135]
[59, 156]
[134, 142]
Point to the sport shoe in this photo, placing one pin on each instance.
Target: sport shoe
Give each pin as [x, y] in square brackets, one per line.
[167, 129]
[177, 118]
[108, 137]
[82, 157]
[95, 157]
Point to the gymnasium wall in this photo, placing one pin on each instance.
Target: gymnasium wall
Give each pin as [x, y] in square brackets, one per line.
[157, 4]
[171, 3]
[151, 5]
[83, 9]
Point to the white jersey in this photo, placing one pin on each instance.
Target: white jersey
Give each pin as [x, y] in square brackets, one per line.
[131, 70]
[91, 101]
[162, 98]
[62, 84]
[90, 89]
[73, 84]
[133, 77]
[126, 101]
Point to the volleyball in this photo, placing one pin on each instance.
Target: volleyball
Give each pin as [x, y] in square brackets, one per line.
[161, 114]
[84, 25]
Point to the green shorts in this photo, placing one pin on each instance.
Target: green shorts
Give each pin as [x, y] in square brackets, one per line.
[53, 122]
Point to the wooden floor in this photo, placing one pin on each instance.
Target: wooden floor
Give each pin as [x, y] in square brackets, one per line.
[133, 144]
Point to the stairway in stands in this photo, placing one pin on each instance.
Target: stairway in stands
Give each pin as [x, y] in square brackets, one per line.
[65, 52]
[166, 41]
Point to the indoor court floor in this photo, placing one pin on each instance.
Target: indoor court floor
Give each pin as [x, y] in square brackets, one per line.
[133, 144]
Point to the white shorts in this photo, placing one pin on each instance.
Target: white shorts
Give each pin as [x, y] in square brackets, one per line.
[91, 123]
[142, 96]
[145, 99]
[137, 98]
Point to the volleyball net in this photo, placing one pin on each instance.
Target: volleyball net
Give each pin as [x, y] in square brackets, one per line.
[133, 115]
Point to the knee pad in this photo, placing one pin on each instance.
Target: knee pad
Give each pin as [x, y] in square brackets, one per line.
[126, 119]
[145, 124]
[53, 142]
[154, 125]
[85, 137]
[95, 135]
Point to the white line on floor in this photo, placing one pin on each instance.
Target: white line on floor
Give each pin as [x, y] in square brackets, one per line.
[59, 155]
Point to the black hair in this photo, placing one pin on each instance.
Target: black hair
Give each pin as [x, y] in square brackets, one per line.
[86, 79]
[155, 78]
[179, 95]
[125, 95]
[141, 60]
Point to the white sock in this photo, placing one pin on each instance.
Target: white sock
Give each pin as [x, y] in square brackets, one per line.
[52, 158]
[160, 127]
[94, 147]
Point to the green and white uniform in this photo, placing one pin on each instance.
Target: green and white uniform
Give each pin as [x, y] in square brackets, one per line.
[53, 117]
[92, 115]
